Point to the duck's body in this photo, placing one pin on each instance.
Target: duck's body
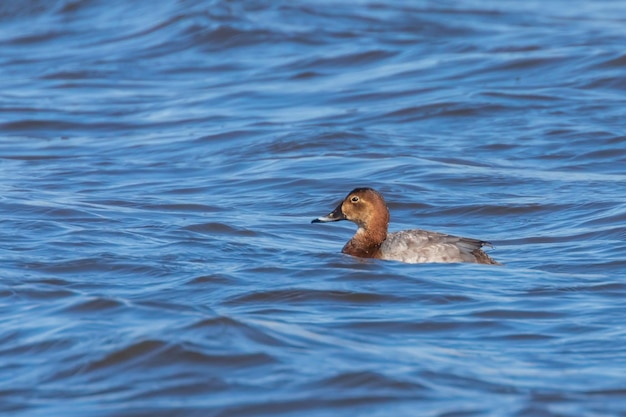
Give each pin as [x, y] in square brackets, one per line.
[366, 207]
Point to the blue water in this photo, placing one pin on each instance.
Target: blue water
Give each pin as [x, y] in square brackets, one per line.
[160, 163]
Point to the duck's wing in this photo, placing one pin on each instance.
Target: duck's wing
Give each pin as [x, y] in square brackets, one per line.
[420, 246]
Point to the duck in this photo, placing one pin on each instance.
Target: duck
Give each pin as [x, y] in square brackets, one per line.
[366, 208]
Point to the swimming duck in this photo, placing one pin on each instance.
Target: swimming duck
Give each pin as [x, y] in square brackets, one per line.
[366, 207]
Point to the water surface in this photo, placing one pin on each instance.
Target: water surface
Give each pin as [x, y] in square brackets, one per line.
[161, 161]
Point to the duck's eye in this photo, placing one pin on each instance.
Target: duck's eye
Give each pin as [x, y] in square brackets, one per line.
[355, 199]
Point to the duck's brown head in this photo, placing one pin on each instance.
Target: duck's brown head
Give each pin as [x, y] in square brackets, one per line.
[365, 207]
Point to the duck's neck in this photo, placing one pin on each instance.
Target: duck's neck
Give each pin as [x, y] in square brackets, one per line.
[366, 242]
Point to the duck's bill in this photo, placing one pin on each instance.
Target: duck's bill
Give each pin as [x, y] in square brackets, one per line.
[333, 216]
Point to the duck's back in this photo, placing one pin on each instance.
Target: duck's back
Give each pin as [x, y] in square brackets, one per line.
[422, 246]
